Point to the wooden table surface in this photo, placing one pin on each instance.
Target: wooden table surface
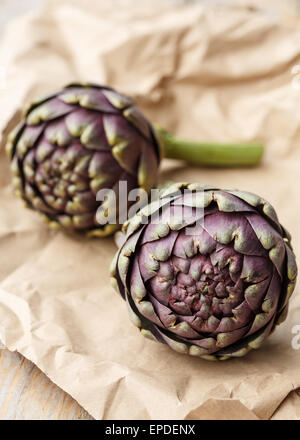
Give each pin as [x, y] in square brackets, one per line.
[27, 394]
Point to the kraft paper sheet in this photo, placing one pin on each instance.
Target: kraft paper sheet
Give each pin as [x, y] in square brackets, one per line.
[212, 73]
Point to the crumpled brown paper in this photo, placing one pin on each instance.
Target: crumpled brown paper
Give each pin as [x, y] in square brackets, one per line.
[207, 73]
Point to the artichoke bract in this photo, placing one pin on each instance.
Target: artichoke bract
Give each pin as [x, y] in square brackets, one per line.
[207, 271]
[74, 143]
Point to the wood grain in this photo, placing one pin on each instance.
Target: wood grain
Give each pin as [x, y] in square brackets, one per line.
[27, 394]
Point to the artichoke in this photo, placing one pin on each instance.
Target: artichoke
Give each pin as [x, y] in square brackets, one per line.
[87, 138]
[75, 143]
[207, 271]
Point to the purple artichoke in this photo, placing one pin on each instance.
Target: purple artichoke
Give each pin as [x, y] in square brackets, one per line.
[207, 271]
[87, 138]
[74, 143]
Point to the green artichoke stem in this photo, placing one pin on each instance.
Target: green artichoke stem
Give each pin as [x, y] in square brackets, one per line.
[241, 154]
